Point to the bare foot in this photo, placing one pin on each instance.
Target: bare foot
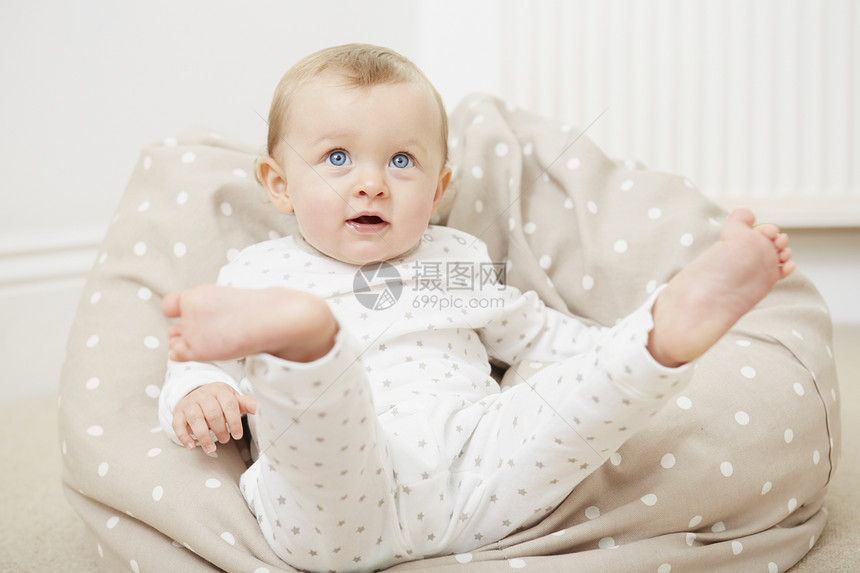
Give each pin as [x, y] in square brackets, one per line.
[220, 323]
[702, 302]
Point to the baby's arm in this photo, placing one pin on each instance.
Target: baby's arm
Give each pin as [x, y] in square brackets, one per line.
[215, 406]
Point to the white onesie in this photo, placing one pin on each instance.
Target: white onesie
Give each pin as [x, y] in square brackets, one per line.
[398, 443]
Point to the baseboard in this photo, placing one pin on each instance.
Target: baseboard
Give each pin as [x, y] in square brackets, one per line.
[42, 276]
[47, 255]
[804, 213]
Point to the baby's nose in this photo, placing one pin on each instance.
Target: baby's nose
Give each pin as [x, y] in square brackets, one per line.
[371, 183]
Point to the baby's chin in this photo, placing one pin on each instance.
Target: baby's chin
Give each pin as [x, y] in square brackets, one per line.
[365, 249]
[359, 259]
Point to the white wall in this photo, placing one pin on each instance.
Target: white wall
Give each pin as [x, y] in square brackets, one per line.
[86, 84]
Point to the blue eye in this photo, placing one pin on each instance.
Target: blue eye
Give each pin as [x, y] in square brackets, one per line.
[401, 161]
[337, 158]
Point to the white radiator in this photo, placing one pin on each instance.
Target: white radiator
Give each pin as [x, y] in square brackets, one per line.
[756, 101]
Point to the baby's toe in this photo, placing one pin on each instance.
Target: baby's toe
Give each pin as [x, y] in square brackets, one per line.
[769, 230]
[179, 350]
[170, 305]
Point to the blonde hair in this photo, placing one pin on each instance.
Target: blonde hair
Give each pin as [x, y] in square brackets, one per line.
[361, 65]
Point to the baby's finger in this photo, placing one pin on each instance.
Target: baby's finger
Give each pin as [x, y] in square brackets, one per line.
[200, 427]
[232, 415]
[215, 420]
[247, 405]
[182, 431]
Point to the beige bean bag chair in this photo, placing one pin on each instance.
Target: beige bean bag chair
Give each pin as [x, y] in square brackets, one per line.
[730, 476]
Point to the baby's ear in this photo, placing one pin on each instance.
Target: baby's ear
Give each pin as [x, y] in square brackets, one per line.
[441, 186]
[273, 179]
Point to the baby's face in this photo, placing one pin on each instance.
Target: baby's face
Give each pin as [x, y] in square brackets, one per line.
[364, 167]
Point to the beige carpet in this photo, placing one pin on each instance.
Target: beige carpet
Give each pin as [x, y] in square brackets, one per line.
[40, 532]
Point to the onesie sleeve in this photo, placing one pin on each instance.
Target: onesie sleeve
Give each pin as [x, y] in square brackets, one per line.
[528, 330]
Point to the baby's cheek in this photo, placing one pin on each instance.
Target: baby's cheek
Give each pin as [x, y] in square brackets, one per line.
[312, 228]
[419, 215]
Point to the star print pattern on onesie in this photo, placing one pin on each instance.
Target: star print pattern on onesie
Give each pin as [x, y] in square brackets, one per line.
[398, 444]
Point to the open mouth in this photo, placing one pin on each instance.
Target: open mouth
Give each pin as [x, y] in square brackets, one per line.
[367, 223]
[368, 220]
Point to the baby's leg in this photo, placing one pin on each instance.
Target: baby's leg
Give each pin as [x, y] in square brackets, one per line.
[323, 487]
[220, 323]
[702, 302]
[539, 439]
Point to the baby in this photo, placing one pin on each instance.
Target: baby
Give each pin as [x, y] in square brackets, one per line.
[381, 435]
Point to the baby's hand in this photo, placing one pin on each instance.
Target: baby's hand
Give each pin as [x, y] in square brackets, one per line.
[216, 407]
